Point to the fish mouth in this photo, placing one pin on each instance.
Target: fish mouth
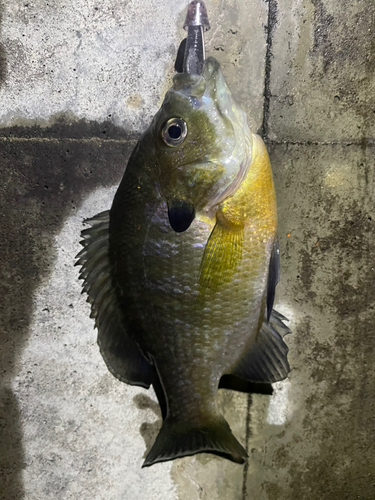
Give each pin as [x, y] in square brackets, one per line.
[181, 214]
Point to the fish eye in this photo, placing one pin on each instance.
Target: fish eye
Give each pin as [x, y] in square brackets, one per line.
[174, 132]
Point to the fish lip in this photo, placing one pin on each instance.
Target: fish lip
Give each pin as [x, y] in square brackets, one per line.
[181, 214]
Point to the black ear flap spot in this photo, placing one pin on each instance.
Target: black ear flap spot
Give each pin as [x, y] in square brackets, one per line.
[179, 63]
[181, 214]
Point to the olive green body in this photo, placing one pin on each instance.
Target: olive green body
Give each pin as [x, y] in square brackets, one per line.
[193, 336]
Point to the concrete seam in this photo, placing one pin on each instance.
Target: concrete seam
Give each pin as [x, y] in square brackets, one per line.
[347, 142]
[64, 139]
[271, 24]
[369, 141]
[248, 434]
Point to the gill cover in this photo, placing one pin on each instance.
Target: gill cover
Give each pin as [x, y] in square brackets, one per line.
[203, 144]
[181, 214]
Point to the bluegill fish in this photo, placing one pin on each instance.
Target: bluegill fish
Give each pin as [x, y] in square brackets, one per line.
[181, 272]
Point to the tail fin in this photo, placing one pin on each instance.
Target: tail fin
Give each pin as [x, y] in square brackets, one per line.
[178, 439]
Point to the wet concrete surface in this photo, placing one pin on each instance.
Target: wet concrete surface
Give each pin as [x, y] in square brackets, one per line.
[42, 182]
[326, 213]
[68, 429]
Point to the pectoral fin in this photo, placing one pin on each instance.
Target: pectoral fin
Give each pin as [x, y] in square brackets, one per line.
[222, 255]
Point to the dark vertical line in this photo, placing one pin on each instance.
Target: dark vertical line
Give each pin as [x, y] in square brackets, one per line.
[248, 434]
[270, 28]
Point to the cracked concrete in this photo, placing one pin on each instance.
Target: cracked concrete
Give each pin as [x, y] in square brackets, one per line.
[78, 83]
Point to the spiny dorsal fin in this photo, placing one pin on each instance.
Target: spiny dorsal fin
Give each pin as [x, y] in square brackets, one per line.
[121, 354]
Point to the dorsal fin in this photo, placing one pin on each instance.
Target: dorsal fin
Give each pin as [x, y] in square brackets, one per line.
[120, 353]
[266, 361]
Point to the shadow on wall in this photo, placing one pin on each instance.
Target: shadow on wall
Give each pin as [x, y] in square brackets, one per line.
[42, 182]
[11, 449]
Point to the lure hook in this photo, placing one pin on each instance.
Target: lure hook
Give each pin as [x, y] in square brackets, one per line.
[196, 23]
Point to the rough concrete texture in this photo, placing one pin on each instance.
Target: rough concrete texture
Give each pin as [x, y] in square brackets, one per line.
[113, 61]
[79, 81]
[323, 449]
[322, 86]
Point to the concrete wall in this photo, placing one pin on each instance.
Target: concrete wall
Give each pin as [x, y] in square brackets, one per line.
[79, 80]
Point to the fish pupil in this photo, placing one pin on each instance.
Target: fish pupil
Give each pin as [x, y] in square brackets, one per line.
[174, 132]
